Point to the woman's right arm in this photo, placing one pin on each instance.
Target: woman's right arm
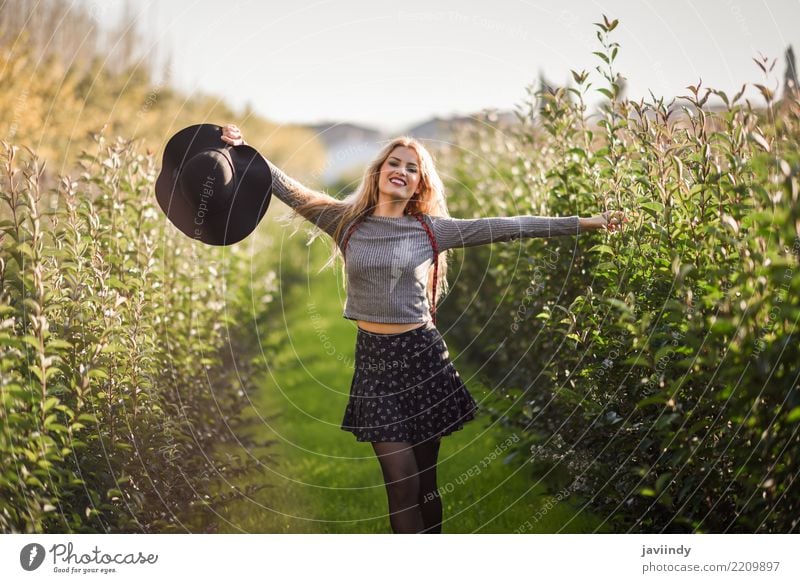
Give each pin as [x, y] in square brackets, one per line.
[292, 192]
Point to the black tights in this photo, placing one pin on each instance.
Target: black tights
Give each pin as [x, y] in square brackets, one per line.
[409, 471]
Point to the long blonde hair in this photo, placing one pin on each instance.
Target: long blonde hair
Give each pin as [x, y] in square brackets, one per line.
[430, 200]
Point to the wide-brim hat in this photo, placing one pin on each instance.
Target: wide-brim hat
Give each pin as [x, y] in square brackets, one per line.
[212, 191]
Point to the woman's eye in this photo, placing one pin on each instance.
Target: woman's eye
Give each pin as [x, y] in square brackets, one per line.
[393, 164]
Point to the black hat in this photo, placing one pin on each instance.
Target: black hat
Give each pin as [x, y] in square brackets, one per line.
[210, 190]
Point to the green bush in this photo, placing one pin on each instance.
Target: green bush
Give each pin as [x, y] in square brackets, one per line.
[117, 366]
[654, 370]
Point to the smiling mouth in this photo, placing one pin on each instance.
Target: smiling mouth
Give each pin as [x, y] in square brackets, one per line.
[397, 182]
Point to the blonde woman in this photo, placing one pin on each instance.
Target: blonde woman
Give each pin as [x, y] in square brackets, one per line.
[393, 233]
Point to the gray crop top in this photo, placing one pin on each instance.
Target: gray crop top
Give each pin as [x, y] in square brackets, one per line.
[388, 258]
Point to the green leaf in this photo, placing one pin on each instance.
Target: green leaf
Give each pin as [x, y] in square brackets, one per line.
[25, 249]
[50, 402]
[602, 249]
[58, 343]
[31, 340]
[607, 93]
[656, 209]
[653, 400]
[722, 326]
[112, 347]
[619, 304]
[50, 420]
[37, 371]
[34, 481]
[97, 373]
[579, 151]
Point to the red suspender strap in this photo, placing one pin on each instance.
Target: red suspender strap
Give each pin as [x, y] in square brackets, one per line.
[350, 232]
[433, 244]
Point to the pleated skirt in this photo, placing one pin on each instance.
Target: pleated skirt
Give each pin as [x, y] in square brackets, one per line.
[405, 388]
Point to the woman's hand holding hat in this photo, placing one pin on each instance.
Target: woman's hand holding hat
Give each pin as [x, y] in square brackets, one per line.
[232, 135]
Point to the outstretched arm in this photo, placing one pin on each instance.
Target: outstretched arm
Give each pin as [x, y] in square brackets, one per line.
[451, 233]
[292, 192]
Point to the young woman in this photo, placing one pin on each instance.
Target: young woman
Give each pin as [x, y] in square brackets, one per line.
[406, 393]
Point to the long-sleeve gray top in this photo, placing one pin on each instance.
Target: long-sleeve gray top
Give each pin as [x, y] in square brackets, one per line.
[388, 258]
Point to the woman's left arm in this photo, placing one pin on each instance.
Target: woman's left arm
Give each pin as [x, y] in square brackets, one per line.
[451, 233]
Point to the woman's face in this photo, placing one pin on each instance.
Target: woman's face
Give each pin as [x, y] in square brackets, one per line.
[399, 177]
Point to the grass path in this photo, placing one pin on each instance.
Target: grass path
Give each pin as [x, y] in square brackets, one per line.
[323, 481]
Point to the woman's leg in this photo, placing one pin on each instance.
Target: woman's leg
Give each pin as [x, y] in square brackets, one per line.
[400, 473]
[430, 502]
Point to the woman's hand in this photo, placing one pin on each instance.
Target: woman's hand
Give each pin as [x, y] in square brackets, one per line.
[612, 220]
[232, 135]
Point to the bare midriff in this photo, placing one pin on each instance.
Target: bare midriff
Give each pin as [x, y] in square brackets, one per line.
[384, 328]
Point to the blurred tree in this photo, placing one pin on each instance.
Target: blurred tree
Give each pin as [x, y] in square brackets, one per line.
[790, 77]
[61, 81]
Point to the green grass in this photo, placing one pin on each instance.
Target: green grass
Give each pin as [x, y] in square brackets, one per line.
[323, 481]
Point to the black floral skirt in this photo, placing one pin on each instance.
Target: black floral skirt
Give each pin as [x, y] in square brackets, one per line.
[405, 388]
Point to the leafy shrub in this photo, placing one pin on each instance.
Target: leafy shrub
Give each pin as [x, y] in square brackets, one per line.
[117, 368]
[655, 370]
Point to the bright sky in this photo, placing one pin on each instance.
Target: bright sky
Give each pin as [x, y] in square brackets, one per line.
[392, 64]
